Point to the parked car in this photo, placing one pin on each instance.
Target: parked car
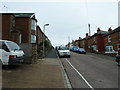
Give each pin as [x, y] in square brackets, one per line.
[78, 50]
[74, 48]
[81, 51]
[10, 53]
[64, 52]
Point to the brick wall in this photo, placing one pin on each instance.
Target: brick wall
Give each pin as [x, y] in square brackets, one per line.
[34, 53]
[100, 43]
[6, 27]
[24, 24]
[114, 40]
[30, 51]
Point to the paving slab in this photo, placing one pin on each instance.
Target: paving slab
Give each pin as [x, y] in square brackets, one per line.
[47, 73]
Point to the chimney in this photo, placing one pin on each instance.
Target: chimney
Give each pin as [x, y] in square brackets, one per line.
[109, 30]
[86, 34]
[80, 38]
[98, 29]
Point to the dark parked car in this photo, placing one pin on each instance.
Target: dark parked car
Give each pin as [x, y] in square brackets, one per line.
[74, 48]
[78, 50]
[81, 51]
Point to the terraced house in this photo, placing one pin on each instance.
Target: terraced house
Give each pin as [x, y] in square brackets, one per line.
[21, 28]
[96, 42]
[112, 42]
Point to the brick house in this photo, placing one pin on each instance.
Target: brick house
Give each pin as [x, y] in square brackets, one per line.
[40, 35]
[21, 28]
[9, 31]
[27, 23]
[112, 41]
[96, 42]
[84, 42]
[77, 43]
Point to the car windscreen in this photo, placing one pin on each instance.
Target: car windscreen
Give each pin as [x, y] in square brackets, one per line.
[13, 46]
[63, 48]
[82, 49]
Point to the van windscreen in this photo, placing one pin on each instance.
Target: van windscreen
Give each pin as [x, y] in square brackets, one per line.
[13, 46]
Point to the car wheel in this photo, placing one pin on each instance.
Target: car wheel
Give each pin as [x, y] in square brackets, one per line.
[59, 56]
[69, 56]
[119, 63]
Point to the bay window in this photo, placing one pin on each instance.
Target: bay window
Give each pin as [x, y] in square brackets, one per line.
[109, 49]
[109, 38]
[33, 38]
[34, 24]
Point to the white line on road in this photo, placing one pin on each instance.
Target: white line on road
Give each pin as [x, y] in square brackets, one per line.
[80, 75]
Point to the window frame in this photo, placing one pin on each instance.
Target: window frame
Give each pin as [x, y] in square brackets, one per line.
[33, 24]
[33, 38]
[109, 49]
[109, 38]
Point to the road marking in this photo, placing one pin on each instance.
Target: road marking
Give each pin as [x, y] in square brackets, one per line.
[80, 75]
[65, 75]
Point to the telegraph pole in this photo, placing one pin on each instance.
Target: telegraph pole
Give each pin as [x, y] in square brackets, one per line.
[89, 30]
[68, 41]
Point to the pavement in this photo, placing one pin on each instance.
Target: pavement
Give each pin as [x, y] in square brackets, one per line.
[47, 73]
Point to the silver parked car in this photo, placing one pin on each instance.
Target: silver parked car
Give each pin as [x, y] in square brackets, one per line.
[64, 52]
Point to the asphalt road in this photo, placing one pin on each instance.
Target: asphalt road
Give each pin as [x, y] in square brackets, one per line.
[91, 71]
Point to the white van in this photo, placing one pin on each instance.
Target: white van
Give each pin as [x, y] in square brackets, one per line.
[10, 53]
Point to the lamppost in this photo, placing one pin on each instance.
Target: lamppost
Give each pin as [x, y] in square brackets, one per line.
[44, 39]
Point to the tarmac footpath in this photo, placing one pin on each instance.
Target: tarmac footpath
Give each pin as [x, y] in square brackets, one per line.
[47, 73]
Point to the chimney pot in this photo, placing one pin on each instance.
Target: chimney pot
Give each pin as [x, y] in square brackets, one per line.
[86, 34]
[98, 29]
[109, 30]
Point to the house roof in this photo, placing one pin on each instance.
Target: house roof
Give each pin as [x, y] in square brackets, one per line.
[115, 30]
[22, 15]
[101, 32]
[28, 15]
[41, 31]
[25, 15]
[7, 13]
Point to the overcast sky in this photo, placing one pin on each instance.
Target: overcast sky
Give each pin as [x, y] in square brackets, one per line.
[68, 18]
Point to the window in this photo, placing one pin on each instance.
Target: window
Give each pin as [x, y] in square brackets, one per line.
[109, 49]
[94, 47]
[34, 24]
[3, 46]
[33, 38]
[20, 37]
[109, 38]
[94, 38]
[13, 46]
[118, 46]
[13, 23]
